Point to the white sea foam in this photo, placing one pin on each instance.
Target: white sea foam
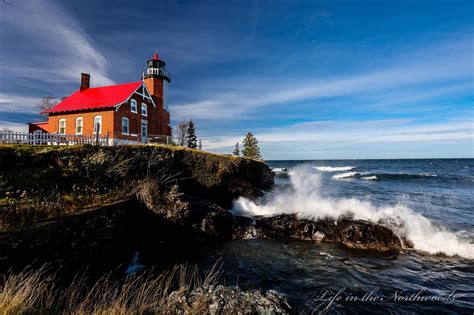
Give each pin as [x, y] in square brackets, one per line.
[329, 256]
[429, 175]
[373, 177]
[345, 175]
[333, 168]
[304, 199]
[280, 170]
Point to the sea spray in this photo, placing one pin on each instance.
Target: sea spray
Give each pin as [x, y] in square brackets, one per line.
[303, 197]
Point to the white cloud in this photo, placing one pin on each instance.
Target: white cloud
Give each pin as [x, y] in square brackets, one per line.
[45, 45]
[10, 102]
[341, 133]
[260, 91]
[16, 127]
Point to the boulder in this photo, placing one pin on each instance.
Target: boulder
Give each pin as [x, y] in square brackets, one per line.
[226, 300]
[354, 234]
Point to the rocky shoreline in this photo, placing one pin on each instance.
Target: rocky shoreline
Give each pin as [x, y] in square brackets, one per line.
[177, 216]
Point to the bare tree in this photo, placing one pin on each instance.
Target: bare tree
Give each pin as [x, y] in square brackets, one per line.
[47, 102]
[181, 133]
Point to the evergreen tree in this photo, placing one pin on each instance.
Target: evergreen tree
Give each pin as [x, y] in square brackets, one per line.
[251, 149]
[191, 135]
[236, 150]
[200, 145]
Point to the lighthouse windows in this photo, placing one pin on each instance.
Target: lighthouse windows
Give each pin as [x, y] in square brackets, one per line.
[133, 106]
[144, 110]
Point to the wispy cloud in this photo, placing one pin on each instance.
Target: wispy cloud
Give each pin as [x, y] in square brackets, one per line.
[341, 134]
[240, 99]
[305, 78]
[44, 49]
[344, 132]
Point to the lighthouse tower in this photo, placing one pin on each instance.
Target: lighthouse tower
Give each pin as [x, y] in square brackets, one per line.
[157, 80]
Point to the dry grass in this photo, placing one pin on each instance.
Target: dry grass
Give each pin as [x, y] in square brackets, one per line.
[44, 182]
[35, 292]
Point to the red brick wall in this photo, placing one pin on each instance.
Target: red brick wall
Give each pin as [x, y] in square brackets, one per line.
[43, 127]
[135, 119]
[157, 118]
[87, 122]
[155, 87]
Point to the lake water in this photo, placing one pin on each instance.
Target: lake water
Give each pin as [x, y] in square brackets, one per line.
[430, 202]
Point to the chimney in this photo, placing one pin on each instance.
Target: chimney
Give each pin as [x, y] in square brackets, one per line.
[85, 81]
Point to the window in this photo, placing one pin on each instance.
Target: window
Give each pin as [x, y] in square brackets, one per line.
[79, 125]
[144, 109]
[133, 106]
[62, 126]
[144, 130]
[125, 126]
[98, 124]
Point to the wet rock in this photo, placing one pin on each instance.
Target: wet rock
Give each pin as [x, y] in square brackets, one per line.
[355, 234]
[227, 300]
[219, 223]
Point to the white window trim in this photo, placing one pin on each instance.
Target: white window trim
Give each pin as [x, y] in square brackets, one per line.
[128, 125]
[117, 106]
[136, 106]
[82, 126]
[93, 124]
[59, 126]
[146, 110]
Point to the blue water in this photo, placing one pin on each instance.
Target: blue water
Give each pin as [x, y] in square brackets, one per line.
[441, 190]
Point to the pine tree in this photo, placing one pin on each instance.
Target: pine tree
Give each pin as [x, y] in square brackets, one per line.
[236, 150]
[251, 149]
[191, 135]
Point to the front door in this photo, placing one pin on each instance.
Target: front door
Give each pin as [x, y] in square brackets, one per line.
[144, 132]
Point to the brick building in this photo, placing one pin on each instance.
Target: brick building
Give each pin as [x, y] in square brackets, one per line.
[125, 113]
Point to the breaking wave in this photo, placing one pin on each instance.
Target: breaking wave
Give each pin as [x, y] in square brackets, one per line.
[303, 197]
[373, 177]
[382, 176]
[334, 168]
[346, 175]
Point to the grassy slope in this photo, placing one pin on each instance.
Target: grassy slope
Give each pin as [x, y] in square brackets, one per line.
[38, 182]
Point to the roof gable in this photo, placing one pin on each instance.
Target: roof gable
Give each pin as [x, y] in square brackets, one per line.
[141, 91]
[96, 98]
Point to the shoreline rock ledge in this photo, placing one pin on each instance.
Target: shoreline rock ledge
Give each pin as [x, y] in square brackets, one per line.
[352, 234]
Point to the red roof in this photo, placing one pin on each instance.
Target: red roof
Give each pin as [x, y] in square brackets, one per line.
[96, 98]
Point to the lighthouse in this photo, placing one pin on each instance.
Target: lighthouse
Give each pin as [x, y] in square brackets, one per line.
[157, 80]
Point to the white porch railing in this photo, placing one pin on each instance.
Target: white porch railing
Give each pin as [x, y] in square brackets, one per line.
[39, 138]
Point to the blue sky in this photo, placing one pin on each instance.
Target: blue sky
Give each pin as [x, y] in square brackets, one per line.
[311, 79]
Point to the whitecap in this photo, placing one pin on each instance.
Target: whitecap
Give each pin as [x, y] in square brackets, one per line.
[345, 175]
[333, 168]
